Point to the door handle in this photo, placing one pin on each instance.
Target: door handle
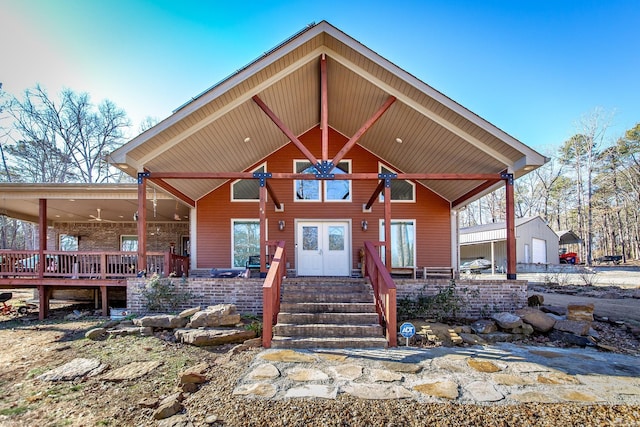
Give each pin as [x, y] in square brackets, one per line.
[320, 252]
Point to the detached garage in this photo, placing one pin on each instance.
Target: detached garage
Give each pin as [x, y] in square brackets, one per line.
[536, 243]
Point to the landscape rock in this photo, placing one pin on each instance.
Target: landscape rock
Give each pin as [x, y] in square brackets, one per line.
[195, 374]
[161, 321]
[131, 371]
[525, 329]
[75, 369]
[569, 338]
[540, 321]
[472, 339]
[573, 326]
[535, 300]
[484, 326]
[444, 389]
[580, 312]
[213, 316]
[169, 406]
[95, 333]
[213, 336]
[554, 309]
[189, 312]
[507, 320]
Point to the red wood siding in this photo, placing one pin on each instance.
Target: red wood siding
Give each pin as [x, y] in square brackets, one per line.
[431, 212]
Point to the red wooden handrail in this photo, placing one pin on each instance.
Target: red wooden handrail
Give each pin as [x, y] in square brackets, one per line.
[271, 291]
[384, 290]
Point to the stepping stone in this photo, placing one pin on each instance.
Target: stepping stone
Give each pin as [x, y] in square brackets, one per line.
[577, 396]
[265, 390]
[266, 371]
[557, 378]
[482, 391]
[305, 374]
[313, 390]
[377, 391]
[483, 365]
[347, 372]
[511, 380]
[382, 375]
[407, 368]
[444, 389]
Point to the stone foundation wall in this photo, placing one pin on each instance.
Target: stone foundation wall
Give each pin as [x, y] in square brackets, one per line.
[246, 294]
[481, 298]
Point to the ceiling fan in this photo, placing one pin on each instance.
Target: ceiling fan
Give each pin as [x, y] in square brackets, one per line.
[99, 217]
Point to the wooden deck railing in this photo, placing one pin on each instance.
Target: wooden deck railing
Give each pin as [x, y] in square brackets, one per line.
[271, 290]
[88, 265]
[384, 290]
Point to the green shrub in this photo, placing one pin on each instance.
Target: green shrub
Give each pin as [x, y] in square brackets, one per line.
[161, 294]
[447, 302]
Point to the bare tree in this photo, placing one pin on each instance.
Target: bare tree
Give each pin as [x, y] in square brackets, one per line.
[73, 134]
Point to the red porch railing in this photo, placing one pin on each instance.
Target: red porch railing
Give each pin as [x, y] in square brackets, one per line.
[271, 290]
[384, 290]
[88, 265]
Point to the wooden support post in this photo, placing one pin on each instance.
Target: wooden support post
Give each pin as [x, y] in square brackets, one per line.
[142, 221]
[42, 237]
[43, 300]
[511, 229]
[324, 107]
[387, 227]
[263, 231]
[105, 301]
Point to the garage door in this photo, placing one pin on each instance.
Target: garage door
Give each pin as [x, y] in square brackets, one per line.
[539, 254]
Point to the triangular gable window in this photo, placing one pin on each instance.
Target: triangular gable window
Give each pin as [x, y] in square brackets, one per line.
[247, 189]
[401, 190]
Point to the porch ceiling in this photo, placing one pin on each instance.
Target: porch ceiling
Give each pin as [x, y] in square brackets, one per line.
[76, 202]
[224, 130]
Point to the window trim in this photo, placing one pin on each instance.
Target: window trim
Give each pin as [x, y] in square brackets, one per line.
[233, 199]
[413, 186]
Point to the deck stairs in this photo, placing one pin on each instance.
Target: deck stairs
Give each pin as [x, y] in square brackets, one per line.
[327, 313]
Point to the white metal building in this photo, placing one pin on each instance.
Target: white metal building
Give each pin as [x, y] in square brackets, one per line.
[536, 243]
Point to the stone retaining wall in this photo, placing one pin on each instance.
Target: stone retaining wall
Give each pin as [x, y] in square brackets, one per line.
[482, 298]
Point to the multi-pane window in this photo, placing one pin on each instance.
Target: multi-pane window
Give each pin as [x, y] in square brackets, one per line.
[68, 242]
[246, 240]
[330, 189]
[129, 243]
[401, 190]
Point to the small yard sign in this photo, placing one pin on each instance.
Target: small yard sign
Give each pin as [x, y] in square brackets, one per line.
[407, 330]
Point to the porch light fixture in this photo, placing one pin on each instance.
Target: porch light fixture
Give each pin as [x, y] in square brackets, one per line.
[364, 225]
[247, 140]
[399, 140]
[135, 216]
[281, 225]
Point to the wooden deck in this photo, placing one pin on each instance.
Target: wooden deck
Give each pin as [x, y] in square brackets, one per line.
[80, 270]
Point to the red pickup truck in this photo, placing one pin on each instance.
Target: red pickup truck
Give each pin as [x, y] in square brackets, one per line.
[569, 258]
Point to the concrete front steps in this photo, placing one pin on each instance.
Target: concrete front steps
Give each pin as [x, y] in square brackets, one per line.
[327, 313]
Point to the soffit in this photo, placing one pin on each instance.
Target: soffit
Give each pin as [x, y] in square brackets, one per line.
[438, 135]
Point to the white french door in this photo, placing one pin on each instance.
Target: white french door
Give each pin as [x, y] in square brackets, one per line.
[323, 248]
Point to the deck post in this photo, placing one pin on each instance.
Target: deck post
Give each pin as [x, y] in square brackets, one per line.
[43, 300]
[42, 237]
[105, 301]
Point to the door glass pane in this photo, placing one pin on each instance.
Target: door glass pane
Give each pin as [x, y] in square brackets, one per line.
[246, 241]
[310, 238]
[336, 238]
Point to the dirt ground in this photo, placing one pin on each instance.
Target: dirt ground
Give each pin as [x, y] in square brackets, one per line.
[31, 347]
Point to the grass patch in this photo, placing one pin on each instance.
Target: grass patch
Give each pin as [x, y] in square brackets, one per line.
[10, 412]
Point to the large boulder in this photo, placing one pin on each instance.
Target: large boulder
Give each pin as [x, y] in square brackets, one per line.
[161, 321]
[213, 316]
[580, 312]
[484, 326]
[540, 321]
[211, 337]
[573, 326]
[507, 320]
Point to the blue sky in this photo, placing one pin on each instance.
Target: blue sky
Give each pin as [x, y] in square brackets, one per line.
[532, 68]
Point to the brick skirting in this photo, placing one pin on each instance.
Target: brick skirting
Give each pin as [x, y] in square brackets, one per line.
[482, 297]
